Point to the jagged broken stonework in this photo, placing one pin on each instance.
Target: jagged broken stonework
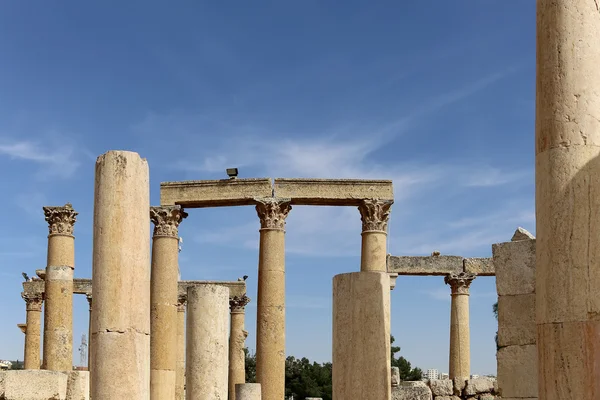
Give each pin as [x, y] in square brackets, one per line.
[447, 389]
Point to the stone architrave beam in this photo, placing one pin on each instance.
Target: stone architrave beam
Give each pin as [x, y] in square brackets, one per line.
[438, 265]
[214, 193]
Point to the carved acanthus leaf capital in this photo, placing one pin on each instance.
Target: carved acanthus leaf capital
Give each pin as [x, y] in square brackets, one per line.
[459, 282]
[238, 303]
[34, 301]
[375, 214]
[89, 298]
[181, 301]
[61, 220]
[272, 212]
[166, 220]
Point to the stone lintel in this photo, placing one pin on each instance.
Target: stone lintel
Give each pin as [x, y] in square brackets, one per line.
[428, 265]
[332, 192]
[215, 193]
[236, 288]
[480, 266]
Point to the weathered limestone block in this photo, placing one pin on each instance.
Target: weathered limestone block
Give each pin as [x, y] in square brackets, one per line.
[459, 384]
[480, 266]
[479, 386]
[214, 193]
[441, 387]
[487, 397]
[341, 192]
[433, 265]
[412, 391]
[35, 385]
[447, 398]
[516, 320]
[247, 391]
[78, 385]
[517, 371]
[515, 267]
[395, 376]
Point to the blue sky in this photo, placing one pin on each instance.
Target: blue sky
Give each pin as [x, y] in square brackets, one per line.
[437, 96]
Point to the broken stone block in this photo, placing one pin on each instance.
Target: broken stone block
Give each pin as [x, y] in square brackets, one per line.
[522, 234]
[441, 387]
[35, 385]
[412, 391]
[479, 386]
[515, 267]
[447, 398]
[459, 385]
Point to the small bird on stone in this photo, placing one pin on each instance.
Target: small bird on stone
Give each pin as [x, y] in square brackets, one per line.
[435, 253]
[25, 276]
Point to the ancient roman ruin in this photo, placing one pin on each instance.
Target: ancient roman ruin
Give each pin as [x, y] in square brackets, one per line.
[548, 287]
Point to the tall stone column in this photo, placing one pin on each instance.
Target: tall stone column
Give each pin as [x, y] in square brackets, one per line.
[163, 300]
[58, 312]
[374, 215]
[32, 334]
[207, 345]
[460, 339]
[121, 278]
[89, 299]
[270, 313]
[568, 199]
[180, 369]
[237, 337]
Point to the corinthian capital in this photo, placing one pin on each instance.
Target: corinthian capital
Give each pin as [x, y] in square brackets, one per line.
[60, 219]
[459, 283]
[238, 303]
[272, 212]
[34, 301]
[166, 220]
[375, 214]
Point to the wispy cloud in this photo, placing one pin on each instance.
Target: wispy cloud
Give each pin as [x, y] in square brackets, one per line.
[56, 158]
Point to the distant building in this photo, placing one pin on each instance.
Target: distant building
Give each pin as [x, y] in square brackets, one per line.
[474, 376]
[432, 374]
[444, 375]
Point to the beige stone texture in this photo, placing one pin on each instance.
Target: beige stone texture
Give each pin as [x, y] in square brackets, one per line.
[460, 346]
[121, 276]
[459, 383]
[236, 288]
[163, 300]
[248, 391]
[568, 199]
[180, 367]
[412, 391]
[515, 267]
[480, 266]
[338, 192]
[34, 303]
[441, 387]
[58, 318]
[479, 386]
[35, 385]
[516, 320]
[214, 193]
[448, 398]
[431, 265]
[361, 336]
[207, 342]
[237, 339]
[270, 315]
[78, 385]
[517, 371]
[374, 214]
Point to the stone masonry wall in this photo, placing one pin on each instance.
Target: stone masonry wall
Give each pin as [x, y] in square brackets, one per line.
[514, 262]
[44, 385]
[446, 389]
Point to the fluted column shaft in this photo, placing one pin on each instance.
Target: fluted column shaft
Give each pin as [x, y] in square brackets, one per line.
[32, 334]
[121, 278]
[163, 300]
[58, 312]
[180, 368]
[270, 315]
[568, 199]
[460, 339]
[237, 337]
[375, 216]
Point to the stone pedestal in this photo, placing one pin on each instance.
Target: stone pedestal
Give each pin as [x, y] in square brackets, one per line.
[121, 278]
[180, 367]
[58, 312]
[237, 338]
[374, 215]
[460, 338]
[247, 391]
[361, 336]
[568, 199]
[32, 334]
[270, 315]
[163, 300]
[207, 344]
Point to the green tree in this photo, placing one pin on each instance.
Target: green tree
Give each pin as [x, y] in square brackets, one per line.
[17, 364]
[250, 366]
[495, 311]
[407, 373]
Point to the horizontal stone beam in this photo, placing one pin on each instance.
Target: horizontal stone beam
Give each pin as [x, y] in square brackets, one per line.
[439, 265]
[84, 286]
[214, 193]
[480, 266]
[332, 192]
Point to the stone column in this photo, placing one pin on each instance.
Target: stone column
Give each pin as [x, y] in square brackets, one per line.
[568, 199]
[58, 312]
[374, 215]
[207, 345]
[180, 368]
[89, 299]
[121, 278]
[32, 334]
[460, 350]
[163, 300]
[247, 391]
[237, 337]
[270, 313]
